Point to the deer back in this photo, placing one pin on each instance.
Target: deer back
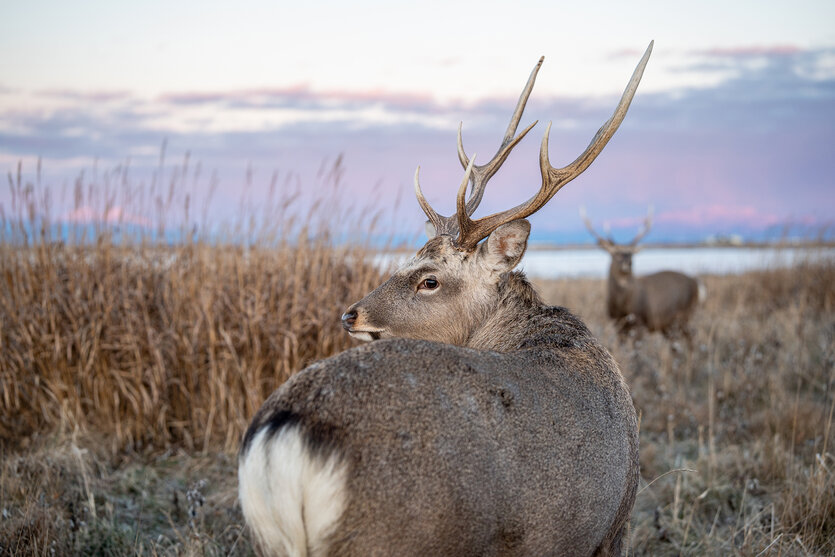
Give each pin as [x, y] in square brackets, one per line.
[666, 298]
[454, 451]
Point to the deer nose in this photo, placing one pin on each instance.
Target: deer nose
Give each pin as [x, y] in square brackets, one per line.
[349, 318]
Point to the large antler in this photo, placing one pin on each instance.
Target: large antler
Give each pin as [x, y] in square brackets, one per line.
[471, 232]
[480, 174]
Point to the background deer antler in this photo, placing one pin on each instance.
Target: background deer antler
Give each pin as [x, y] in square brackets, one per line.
[609, 243]
[644, 229]
[605, 243]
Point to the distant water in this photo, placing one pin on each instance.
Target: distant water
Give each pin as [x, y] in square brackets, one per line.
[696, 261]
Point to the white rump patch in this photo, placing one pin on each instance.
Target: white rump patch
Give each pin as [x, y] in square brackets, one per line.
[702, 292]
[291, 498]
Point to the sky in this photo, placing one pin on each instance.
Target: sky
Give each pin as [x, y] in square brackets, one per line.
[730, 132]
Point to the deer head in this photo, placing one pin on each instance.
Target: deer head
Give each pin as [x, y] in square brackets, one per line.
[621, 266]
[445, 292]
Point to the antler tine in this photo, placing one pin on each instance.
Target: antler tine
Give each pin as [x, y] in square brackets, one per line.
[434, 217]
[644, 229]
[443, 225]
[607, 228]
[553, 179]
[482, 173]
[600, 239]
[460, 209]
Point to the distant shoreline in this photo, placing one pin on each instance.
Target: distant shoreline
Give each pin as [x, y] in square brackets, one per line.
[548, 246]
[545, 262]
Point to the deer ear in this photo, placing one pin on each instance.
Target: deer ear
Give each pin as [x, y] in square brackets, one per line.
[429, 228]
[506, 245]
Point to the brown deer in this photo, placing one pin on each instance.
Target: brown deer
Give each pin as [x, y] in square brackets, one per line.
[479, 421]
[662, 301]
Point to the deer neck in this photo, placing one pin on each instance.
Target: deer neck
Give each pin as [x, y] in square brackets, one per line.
[620, 293]
[512, 320]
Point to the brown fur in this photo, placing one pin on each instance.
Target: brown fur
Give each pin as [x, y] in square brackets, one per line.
[511, 433]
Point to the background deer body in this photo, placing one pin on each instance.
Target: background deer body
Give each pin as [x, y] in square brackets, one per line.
[662, 301]
[481, 423]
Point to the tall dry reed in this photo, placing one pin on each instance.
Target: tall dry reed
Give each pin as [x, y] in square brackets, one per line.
[110, 325]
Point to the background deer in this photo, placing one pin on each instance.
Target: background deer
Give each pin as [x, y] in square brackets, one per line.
[483, 422]
[662, 301]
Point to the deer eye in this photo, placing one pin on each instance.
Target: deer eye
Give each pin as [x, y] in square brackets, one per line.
[429, 283]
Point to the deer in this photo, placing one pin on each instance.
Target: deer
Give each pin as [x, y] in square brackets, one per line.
[475, 420]
[662, 301]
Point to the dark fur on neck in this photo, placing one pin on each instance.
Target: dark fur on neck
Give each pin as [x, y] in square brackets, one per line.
[514, 288]
[520, 320]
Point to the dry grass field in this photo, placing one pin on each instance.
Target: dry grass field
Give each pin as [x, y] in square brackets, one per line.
[129, 370]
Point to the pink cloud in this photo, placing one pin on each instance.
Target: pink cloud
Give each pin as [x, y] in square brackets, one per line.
[200, 97]
[626, 53]
[752, 51]
[379, 95]
[713, 214]
[450, 61]
[114, 215]
[626, 222]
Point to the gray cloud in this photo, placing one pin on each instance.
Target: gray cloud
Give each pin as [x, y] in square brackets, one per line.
[86, 96]
[303, 97]
[759, 143]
